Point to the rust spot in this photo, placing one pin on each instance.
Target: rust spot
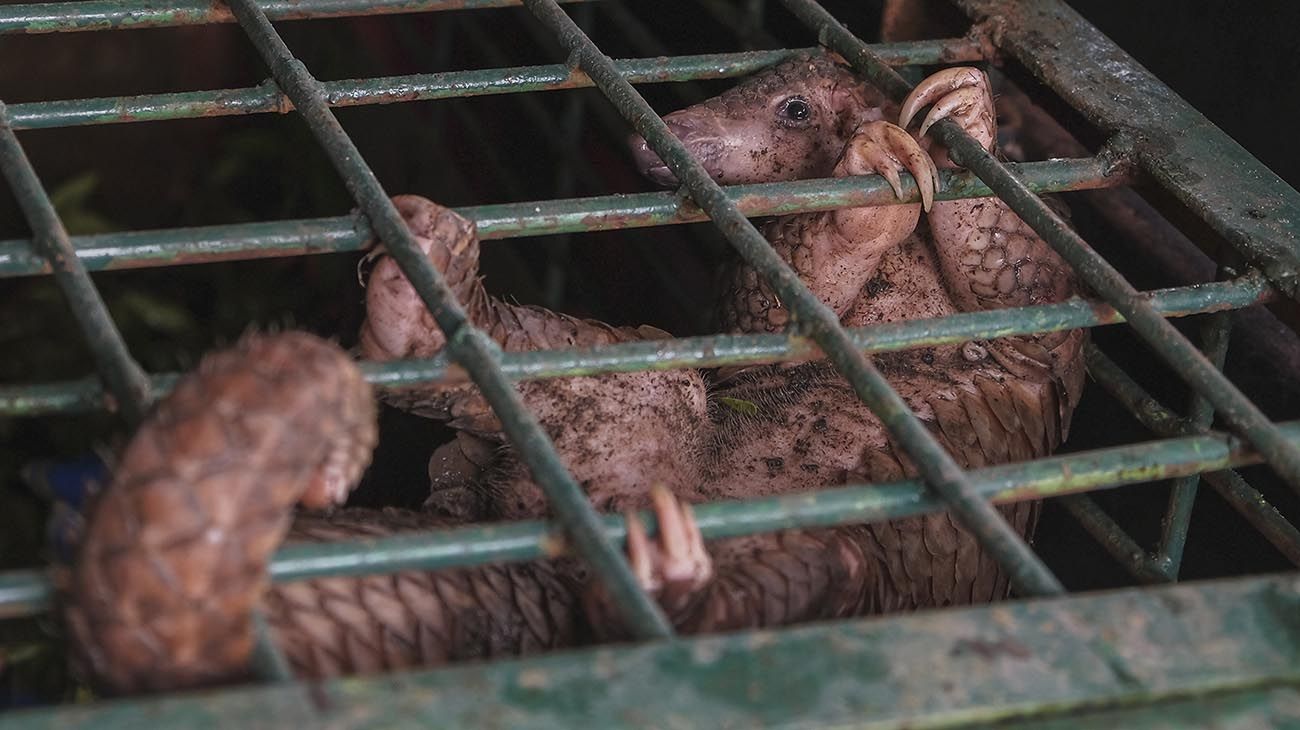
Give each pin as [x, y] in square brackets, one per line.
[554, 545]
[988, 650]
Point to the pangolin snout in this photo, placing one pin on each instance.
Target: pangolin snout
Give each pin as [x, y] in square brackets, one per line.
[648, 163]
[698, 136]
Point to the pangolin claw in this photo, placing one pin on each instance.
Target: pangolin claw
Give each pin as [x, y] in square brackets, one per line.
[885, 148]
[961, 93]
[677, 563]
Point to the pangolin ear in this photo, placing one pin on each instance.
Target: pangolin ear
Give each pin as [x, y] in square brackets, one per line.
[851, 106]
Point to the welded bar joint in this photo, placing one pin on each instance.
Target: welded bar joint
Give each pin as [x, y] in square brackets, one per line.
[119, 371]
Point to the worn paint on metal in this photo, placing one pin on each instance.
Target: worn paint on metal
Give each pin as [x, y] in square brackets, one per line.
[121, 374]
[266, 98]
[538, 218]
[1207, 170]
[1044, 659]
[466, 344]
[84, 15]
[719, 350]
[26, 591]
[143, 249]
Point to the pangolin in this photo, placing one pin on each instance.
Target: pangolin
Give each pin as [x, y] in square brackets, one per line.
[800, 427]
[173, 561]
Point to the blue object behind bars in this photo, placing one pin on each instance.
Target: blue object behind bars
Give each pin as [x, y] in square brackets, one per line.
[68, 486]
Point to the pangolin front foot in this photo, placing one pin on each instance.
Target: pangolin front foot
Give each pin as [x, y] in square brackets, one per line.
[961, 94]
[884, 148]
[674, 568]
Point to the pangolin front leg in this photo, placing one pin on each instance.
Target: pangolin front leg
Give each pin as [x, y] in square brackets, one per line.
[991, 259]
[616, 433]
[837, 252]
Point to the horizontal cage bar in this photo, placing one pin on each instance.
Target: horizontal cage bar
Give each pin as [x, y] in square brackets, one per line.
[266, 98]
[1122, 653]
[720, 350]
[84, 15]
[27, 592]
[142, 249]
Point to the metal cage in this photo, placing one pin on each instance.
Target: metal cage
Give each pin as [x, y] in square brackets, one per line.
[1141, 656]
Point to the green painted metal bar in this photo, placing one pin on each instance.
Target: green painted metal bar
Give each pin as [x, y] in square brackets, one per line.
[1026, 571]
[1185, 359]
[142, 249]
[119, 371]
[267, 99]
[63, 17]
[1114, 539]
[1236, 194]
[467, 345]
[719, 350]
[1120, 651]
[1230, 485]
[1270, 707]
[1173, 539]
[1163, 565]
[269, 663]
[27, 592]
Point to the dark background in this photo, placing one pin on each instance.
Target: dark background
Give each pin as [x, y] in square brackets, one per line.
[1236, 62]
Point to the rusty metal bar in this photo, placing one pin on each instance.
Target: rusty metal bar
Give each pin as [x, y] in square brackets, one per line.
[1215, 177]
[267, 99]
[143, 249]
[1173, 538]
[119, 371]
[1121, 659]
[466, 344]
[27, 592]
[1027, 572]
[83, 15]
[1185, 359]
[1230, 485]
[720, 350]
[1114, 539]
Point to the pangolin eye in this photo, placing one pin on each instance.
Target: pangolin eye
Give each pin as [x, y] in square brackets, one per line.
[796, 109]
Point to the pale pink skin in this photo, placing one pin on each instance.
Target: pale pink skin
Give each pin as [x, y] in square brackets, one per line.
[987, 402]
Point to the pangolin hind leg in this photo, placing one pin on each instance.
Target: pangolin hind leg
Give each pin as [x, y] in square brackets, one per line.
[174, 558]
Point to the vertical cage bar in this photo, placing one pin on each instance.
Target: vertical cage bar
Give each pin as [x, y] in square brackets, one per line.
[1108, 533]
[1230, 485]
[1027, 572]
[466, 344]
[122, 376]
[1181, 355]
[1173, 538]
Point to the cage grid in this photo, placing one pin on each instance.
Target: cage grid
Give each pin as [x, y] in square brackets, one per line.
[1248, 206]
